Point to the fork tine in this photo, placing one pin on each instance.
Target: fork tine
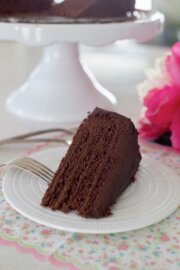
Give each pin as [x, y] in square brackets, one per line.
[33, 163]
[35, 167]
[34, 170]
[42, 176]
[38, 165]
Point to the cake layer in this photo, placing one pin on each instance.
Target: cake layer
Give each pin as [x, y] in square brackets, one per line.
[99, 165]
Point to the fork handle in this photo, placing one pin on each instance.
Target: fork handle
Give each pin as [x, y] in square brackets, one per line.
[36, 133]
[11, 141]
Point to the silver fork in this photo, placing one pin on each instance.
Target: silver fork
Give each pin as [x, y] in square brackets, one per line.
[33, 166]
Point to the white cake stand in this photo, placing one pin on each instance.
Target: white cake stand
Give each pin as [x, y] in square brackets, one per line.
[61, 88]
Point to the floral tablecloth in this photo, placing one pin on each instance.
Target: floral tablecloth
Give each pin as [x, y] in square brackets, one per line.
[156, 247]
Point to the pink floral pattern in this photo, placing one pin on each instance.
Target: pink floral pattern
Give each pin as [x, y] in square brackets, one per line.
[161, 104]
[155, 247]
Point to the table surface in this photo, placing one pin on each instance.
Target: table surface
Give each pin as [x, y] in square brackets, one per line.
[126, 63]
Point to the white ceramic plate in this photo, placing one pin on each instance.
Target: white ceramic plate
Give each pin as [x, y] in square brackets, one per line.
[153, 197]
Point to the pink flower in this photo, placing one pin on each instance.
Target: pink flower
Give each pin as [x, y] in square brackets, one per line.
[162, 105]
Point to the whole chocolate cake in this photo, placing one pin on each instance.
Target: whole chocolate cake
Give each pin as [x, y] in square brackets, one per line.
[68, 8]
[99, 165]
[94, 8]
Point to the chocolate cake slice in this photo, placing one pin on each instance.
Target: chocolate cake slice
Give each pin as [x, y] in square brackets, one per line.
[99, 165]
